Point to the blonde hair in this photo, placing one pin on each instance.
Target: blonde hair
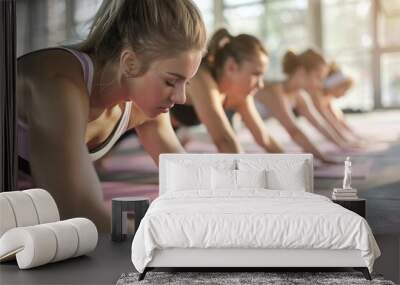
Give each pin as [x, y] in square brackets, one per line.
[336, 78]
[333, 68]
[310, 59]
[223, 45]
[154, 29]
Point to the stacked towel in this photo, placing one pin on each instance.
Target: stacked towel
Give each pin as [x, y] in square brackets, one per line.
[344, 194]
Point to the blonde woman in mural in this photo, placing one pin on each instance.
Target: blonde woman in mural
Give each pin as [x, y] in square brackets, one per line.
[75, 102]
[283, 100]
[336, 85]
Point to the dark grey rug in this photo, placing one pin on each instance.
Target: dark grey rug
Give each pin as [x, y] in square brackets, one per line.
[243, 278]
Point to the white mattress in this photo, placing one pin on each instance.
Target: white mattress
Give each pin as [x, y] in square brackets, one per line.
[253, 218]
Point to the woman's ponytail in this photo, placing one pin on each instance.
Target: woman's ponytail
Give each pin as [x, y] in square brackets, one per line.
[102, 26]
[219, 39]
[223, 45]
[308, 59]
[290, 62]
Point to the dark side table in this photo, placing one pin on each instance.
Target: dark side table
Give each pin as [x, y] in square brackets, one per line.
[125, 209]
[358, 206]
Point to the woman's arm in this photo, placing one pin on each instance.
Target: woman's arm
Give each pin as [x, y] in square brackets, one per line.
[158, 136]
[59, 157]
[340, 126]
[307, 109]
[281, 111]
[329, 116]
[254, 123]
[339, 117]
[207, 102]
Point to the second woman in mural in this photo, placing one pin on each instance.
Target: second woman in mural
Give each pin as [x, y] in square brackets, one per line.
[230, 74]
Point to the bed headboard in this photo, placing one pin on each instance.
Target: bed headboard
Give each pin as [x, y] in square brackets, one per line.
[286, 165]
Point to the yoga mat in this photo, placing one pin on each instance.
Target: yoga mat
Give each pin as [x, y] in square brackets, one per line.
[139, 162]
[119, 189]
[122, 189]
[373, 149]
[129, 143]
[378, 126]
[281, 136]
[376, 145]
[138, 168]
[200, 147]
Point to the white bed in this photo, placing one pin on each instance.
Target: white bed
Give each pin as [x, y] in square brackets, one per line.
[244, 210]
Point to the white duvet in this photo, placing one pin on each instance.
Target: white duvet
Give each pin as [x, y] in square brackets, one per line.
[254, 218]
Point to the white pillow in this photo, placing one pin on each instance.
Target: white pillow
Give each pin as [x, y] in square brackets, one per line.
[282, 174]
[223, 179]
[251, 178]
[183, 177]
[293, 180]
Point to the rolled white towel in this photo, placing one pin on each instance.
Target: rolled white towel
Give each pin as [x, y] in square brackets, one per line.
[40, 244]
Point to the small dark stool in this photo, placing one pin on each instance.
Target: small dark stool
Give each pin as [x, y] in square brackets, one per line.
[121, 208]
[358, 206]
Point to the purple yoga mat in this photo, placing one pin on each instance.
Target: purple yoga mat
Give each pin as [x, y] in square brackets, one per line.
[136, 162]
[119, 189]
[370, 150]
[200, 147]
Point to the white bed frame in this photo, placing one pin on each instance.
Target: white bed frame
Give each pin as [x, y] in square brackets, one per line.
[251, 258]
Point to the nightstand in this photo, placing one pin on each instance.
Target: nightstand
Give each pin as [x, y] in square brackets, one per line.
[358, 206]
[122, 209]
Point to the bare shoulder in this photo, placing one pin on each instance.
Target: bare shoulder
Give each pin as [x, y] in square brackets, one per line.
[203, 88]
[202, 81]
[39, 68]
[203, 76]
[274, 88]
[271, 92]
[50, 85]
[45, 63]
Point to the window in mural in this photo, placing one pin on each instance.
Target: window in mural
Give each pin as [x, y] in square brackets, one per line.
[390, 79]
[349, 42]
